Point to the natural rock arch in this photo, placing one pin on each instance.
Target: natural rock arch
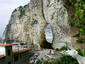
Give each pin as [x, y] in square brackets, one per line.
[27, 23]
[48, 33]
[47, 42]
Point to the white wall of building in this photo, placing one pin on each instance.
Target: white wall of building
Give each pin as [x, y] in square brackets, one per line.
[2, 50]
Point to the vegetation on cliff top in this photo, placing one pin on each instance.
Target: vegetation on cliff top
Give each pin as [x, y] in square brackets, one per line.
[22, 11]
[79, 21]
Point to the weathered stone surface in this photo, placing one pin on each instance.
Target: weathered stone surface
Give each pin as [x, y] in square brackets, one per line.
[48, 54]
[0, 40]
[27, 23]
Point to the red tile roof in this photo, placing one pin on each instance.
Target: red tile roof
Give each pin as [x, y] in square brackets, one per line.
[21, 51]
[2, 56]
[9, 44]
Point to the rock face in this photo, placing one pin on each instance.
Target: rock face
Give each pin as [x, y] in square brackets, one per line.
[0, 40]
[27, 23]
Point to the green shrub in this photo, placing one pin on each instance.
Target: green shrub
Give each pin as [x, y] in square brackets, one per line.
[39, 62]
[81, 52]
[47, 62]
[22, 11]
[68, 60]
[79, 21]
[82, 30]
[81, 40]
[63, 48]
[33, 22]
[14, 10]
[70, 1]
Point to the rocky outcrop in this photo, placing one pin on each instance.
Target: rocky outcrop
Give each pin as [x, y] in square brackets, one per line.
[27, 23]
[0, 40]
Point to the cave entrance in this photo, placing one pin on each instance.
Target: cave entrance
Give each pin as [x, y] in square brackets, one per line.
[48, 37]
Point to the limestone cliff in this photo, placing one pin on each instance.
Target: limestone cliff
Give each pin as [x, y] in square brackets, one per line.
[27, 23]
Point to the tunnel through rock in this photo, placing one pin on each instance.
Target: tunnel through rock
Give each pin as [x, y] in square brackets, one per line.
[48, 37]
[48, 34]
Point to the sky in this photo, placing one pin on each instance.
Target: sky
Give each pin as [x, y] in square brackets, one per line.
[6, 8]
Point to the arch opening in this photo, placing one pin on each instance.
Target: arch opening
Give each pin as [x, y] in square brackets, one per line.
[48, 37]
[48, 34]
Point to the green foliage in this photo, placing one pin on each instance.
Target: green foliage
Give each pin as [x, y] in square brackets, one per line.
[68, 60]
[82, 30]
[34, 22]
[22, 11]
[70, 1]
[81, 40]
[14, 10]
[81, 52]
[39, 62]
[63, 48]
[79, 15]
[63, 60]
[47, 62]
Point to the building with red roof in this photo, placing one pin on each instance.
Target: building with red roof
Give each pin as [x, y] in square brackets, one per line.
[14, 53]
